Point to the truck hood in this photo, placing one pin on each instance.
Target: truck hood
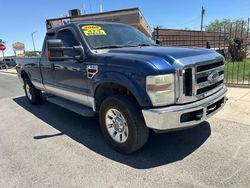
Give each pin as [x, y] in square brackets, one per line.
[164, 58]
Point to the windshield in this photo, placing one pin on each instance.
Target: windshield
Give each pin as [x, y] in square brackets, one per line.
[101, 36]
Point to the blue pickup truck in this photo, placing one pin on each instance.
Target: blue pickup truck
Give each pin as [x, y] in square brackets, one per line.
[134, 85]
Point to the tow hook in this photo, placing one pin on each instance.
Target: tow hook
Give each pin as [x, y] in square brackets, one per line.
[198, 115]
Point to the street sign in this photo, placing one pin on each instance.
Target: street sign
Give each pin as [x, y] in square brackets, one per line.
[18, 46]
[2, 47]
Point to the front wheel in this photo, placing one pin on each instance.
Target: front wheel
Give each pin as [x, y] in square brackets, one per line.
[33, 95]
[122, 124]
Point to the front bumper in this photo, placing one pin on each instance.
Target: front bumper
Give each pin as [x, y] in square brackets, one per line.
[186, 115]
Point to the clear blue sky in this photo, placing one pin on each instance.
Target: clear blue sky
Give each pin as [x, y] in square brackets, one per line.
[20, 18]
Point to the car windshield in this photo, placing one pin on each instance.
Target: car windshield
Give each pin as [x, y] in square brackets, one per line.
[101, 36]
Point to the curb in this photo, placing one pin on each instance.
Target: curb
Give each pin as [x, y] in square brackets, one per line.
[8, 72]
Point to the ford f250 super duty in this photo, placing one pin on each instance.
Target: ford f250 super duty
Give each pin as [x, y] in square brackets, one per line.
[114, 71]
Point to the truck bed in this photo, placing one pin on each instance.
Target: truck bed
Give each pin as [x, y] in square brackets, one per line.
[31, 67]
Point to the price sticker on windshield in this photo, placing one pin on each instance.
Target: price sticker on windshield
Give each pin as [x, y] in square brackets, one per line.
[93, 30]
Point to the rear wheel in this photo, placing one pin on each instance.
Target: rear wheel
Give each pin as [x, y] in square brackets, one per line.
[122, 124]
[33, 95]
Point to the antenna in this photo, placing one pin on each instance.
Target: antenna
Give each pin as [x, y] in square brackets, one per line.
[84, 7]
[100, 7]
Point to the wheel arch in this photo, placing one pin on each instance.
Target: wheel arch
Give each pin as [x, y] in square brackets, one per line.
[116, 83]
[24, 74]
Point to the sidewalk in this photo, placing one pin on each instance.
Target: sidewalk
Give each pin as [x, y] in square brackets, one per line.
[237, 108]
[9, 71]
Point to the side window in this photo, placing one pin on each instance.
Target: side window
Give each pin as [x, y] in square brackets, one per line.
[69, 40]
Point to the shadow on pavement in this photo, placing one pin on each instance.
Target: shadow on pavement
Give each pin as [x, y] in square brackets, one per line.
[161, 149]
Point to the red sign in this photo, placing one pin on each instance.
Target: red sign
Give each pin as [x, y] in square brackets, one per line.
[2, 47]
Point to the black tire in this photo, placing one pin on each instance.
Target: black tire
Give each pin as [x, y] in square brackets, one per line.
[137, 131]
[35, 96]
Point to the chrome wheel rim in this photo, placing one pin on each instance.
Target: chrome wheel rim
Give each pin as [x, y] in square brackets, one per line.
[116, 125]
[28, 92]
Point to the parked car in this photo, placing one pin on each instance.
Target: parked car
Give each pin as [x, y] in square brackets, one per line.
[114, 71]
[10, 62]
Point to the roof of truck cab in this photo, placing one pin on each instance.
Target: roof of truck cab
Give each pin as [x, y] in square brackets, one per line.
[96, 22]
[84, 22]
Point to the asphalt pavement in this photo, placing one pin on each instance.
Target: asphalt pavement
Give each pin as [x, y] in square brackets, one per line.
[9, 86]
[48, 146]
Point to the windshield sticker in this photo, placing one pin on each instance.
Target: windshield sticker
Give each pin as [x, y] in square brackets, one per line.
[93, 30]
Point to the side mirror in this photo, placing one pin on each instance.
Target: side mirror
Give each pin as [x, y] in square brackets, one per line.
[158, 42]
[56, 51]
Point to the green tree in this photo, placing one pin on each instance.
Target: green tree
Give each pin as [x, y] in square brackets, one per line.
[30, 54]
[227, 25]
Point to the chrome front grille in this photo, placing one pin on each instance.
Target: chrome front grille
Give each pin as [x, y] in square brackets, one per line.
[208, 78]
[200, 80]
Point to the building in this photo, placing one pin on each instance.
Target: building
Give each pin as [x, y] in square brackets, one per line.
[132, 17]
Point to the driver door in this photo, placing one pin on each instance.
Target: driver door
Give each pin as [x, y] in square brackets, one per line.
[70, 77]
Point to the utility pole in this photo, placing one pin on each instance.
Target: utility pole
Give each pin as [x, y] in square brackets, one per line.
[32, 36]
[248, 22]
[202, 16]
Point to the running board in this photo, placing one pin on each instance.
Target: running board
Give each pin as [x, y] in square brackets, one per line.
[72, 106]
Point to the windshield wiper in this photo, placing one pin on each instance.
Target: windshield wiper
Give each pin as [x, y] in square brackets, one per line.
[141, 44]
[123, 46]
[106, 47]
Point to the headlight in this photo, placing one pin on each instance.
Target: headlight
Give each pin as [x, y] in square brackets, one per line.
[161, 89]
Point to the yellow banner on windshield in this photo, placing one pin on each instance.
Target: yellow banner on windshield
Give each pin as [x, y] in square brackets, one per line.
[93, 30]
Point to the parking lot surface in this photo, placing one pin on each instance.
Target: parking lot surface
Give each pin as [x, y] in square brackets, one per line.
[48, 146]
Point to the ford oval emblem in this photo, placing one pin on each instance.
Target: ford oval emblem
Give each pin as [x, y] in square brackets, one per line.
[213, 76]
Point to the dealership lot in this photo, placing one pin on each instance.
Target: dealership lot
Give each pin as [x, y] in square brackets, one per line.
[45, 146]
